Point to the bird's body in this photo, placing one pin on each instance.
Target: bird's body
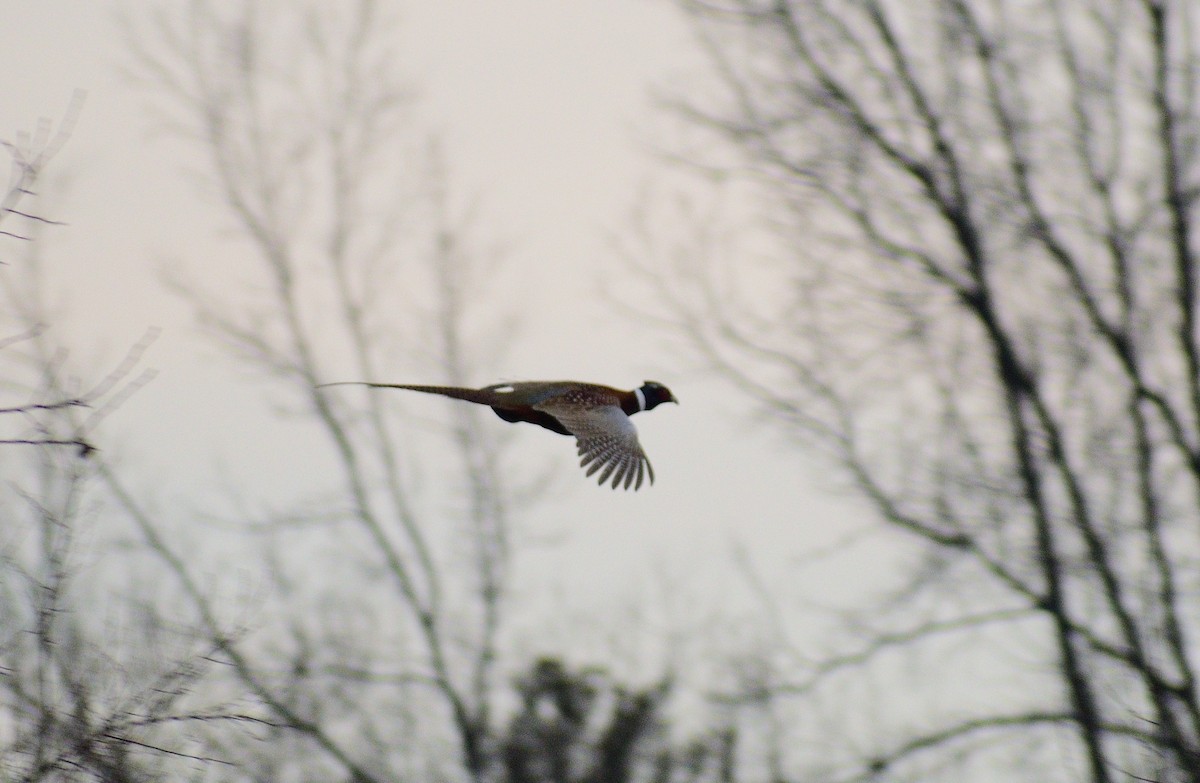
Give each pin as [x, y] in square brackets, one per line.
[597, 416]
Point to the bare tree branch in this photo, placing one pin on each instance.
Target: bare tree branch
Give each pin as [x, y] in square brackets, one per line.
[982, 307]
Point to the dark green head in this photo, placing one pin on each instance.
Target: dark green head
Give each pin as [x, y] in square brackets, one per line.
[655, 394]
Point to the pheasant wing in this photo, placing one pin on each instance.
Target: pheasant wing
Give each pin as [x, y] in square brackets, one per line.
[607, 442]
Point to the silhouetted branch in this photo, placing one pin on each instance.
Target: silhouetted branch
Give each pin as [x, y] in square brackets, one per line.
[30, 154]
[981, 305]
[50, 406]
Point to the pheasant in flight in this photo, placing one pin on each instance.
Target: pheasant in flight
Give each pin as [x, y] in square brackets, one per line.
[597, 416]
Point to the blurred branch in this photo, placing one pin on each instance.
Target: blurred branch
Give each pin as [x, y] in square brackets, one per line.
[351, 247]
[30, 154]
[979, 302]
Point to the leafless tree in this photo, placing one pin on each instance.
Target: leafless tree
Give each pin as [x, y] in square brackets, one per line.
[29, 154]
[981, 302]
[380, 654]
[92, 686]
[87, 694]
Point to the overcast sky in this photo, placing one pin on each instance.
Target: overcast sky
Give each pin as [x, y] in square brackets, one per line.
[545, 110]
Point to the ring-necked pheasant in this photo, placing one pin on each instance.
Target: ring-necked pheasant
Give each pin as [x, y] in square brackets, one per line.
[597, 416]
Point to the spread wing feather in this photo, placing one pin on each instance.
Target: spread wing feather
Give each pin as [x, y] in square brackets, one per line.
[607, 442]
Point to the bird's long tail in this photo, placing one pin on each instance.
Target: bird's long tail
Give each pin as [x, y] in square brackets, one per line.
[479, 396]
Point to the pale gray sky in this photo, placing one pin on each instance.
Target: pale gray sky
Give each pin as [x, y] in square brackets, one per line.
[543, 106]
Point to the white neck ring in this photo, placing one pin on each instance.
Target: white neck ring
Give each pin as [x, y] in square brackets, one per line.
[641, 398]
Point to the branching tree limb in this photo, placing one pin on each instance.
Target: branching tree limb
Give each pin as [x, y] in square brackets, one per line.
[984, 309]
[30, 154]
[363, 265]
